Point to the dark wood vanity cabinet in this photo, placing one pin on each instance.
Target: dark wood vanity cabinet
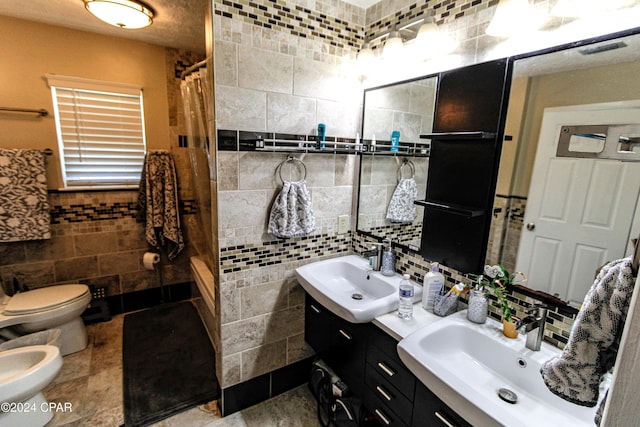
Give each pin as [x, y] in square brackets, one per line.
[341, 344]
[366, 359]
[390, 386]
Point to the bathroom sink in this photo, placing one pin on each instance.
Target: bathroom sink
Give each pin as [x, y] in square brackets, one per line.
[475, 362]
[350, 289]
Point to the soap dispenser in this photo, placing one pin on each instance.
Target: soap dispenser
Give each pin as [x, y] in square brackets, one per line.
[388, 259]
[433, 283]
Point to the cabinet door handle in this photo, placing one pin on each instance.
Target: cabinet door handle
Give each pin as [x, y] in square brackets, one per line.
[314, 308]
[444, 419]
[344, 334]
[386, 369]
[384, 393]
[382, 417]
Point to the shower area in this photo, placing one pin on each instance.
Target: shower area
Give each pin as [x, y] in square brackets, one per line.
[196, 89]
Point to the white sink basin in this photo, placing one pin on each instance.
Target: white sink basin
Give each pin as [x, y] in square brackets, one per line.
[337, 284]
[475, 361]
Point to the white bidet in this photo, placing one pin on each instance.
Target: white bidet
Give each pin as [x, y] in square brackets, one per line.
[24, 372]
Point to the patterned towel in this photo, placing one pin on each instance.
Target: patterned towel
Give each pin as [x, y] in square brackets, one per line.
[401, 207]
[576, 374]
[158, 202]
[291, 213]
[24, 206]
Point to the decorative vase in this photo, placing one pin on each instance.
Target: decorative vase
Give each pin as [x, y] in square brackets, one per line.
[478, 307]
[509, 329]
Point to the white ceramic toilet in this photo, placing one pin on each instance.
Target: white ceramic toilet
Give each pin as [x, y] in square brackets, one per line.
[24, 372]
[57, 307]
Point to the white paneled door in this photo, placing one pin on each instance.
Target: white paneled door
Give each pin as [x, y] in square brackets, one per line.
[581, 212]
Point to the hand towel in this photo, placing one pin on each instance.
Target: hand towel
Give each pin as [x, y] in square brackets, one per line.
[401, 207]
[24, 206]
[291, 213]
[591, 351]
[158, 202]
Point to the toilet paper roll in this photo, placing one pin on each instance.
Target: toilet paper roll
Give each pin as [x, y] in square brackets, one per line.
[150, 259]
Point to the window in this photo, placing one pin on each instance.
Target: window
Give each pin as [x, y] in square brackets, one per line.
[100, 129]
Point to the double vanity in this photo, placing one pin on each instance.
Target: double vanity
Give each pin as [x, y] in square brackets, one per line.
[428, 370]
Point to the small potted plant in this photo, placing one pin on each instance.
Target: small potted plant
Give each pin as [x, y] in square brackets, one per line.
[499, 278]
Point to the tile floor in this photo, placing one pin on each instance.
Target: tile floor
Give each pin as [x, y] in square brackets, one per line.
[91, 382]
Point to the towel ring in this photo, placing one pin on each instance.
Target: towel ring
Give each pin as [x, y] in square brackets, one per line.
[292, 159]
[408, 163]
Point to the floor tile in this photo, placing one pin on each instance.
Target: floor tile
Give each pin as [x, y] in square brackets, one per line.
[90, 381]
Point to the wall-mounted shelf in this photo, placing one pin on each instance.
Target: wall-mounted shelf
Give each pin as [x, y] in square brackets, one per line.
[234, 140]
[459, 135]
[465, 211]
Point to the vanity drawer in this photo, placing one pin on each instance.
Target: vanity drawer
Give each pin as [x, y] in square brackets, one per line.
[429, 410]
[382, 412]
[392, 370]
[384, 342]
[390, 396]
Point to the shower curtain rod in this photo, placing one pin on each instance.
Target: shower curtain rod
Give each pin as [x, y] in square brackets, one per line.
[192, 68]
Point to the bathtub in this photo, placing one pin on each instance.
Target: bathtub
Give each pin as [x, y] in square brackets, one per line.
[206, 304]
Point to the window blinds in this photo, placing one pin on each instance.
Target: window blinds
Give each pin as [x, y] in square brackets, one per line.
[100, 132]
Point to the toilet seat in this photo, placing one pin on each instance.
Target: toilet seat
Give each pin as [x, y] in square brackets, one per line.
[43, 299]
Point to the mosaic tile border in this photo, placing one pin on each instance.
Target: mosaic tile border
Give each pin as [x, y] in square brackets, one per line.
[399, 232]
[250, 256]
[441, 10]
[294, 19]
[559, 321]
[444, 11]
[75, 213]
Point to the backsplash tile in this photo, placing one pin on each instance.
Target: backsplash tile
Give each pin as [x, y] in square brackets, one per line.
[408, 262]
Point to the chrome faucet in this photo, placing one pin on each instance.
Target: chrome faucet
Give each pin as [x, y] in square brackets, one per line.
[374, 255]
[533, 326]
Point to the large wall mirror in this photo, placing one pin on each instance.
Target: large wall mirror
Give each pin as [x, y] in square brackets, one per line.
[388, 177]
[591, 84]
[567, 202]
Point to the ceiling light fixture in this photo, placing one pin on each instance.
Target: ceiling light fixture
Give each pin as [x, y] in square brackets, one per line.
[514, 17]
[128, 14]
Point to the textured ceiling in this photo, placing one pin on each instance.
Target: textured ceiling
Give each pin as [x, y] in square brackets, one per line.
[178, 23]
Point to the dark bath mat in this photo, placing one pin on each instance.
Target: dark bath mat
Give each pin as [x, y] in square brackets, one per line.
[168, 363]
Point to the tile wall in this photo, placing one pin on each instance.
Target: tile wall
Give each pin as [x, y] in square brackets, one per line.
[278, 68]
[284, 66]
[96, 240]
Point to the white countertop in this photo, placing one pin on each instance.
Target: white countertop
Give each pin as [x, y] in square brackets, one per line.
[399, 328]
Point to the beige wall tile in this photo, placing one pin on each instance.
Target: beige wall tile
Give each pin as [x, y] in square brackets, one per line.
[76, 268]
[242, 335]
[262, 299]
[263, 359]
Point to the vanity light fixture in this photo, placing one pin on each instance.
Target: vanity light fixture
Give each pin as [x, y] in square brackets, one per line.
[393, 46]
[431, 41]
[365, 60]
[514, 17]
[128, 14]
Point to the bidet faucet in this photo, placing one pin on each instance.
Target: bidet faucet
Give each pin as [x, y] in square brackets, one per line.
[374, 255]
[533, 326]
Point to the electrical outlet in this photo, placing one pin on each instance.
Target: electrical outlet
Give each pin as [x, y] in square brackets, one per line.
[343, 224]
